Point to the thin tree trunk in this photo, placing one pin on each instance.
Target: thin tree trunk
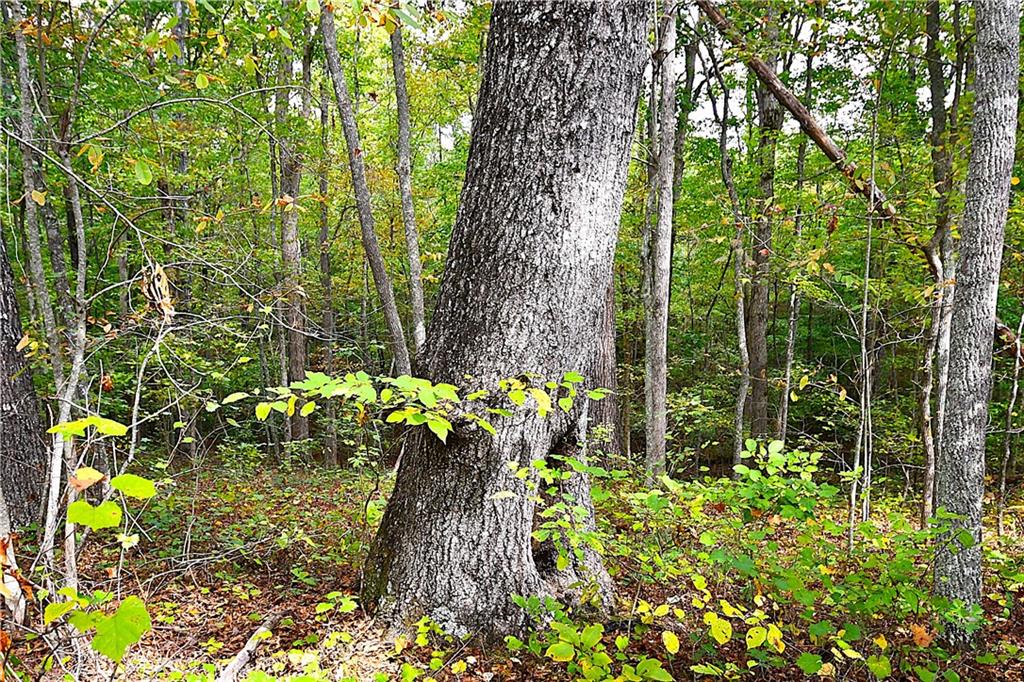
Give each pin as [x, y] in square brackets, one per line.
[1008, 438]
[769, 125]
[404, 171]
[794, 290]
[523, 290]
[942, 180]
[331, 444]
[739, 266]
[658, 261]
[32, 223]
[291, 248]
[605, 413]
[960, 482]
[381, 279]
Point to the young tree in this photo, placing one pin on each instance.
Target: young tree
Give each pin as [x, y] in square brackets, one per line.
[381, 279]
[526, 280]
[658, 242]
[22, 453]
[404, 170]
[960, 484]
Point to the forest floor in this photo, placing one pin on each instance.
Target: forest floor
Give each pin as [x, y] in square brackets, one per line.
[713, 582]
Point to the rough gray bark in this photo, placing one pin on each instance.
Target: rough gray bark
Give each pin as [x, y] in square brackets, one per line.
[381, 279]
[961, 459]
[528, 267]
[657, 264]
[22, 451]
[769, 122]
[404, 171]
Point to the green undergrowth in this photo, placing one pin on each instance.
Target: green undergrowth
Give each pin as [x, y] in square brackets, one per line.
[751, 578]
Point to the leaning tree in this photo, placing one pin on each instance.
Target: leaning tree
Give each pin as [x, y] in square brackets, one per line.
[528, 268]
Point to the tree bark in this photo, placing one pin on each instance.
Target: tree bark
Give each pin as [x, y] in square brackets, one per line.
[961, 459]
[605, 413]
[404, 171]
[942, 181]
[291, 248]
[32, 222]
[381, 279]
[22, 451]
[769, 124]
[794, 290]
[331, 437]
[526, 279]
[659, 254]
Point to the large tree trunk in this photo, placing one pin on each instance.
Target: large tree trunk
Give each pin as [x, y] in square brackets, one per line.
[659, 253]
[381, 279]
[331, 436]
[404, 170]
[961, 459]
[22, 451]
[528, 269]
[769, 121]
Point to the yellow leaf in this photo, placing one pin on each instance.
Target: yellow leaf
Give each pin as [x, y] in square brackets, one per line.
[804, 380]
[756, 637]
[39, 197]
[21, 344]
[662, 610]
[671, 641]
[543, 401]
[774, 638]
[1014, 180]
[882, 643]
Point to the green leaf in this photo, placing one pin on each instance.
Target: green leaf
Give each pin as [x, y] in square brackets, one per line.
[105, 427]
[134, 486]
[57, 610]
[591, 635]
[143, 172]
[262, 411]
[116, 633]
[313, 7]
[107, 515]
[234, 398]
[565, 403]
[650, 669]
[440, 428]
[879, 666]
[202, 82]
[573, 377]
[563, 652]
[809, 663]
[307, 409]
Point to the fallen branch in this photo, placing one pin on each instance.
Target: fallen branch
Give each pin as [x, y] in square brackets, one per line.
[242, 658]
[865, 186]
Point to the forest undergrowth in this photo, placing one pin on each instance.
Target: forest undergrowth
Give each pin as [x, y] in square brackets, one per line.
[715, 578]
